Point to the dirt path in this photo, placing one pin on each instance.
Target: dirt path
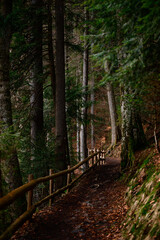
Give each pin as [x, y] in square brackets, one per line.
[94, 210]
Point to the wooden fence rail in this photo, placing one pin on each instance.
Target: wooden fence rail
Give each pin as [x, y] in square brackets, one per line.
[5, 201]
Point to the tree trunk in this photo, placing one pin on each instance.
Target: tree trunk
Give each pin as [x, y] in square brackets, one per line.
[115, 130]
[83, 127]
[61, 134]
[92, 112]
[127, 152]
[78, 73]
[68, 135]
[133, 137]
[2, 218]
[36, 100]
[113, 114]
[51, 51]
[78, 140]
[9, 165]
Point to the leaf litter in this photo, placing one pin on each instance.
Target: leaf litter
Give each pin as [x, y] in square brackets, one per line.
[95, 209]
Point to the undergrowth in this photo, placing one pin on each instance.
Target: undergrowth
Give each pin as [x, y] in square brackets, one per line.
[143, 198]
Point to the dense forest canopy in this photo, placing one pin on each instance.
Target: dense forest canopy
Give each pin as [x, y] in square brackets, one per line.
[68, 71]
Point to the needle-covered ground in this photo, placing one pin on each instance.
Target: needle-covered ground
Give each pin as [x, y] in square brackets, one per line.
[94, 209]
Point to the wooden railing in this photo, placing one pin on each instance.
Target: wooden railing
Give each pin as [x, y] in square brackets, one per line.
[96, 157]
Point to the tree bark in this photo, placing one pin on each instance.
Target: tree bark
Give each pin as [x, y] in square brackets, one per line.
[69, 147]
[78, 140]
[9, 165]
[115, 130]
[36, 99]
[51, 51]
[78, 73]
[127, 146]
[92, 112]
[133, 137]
[61, 134]
[83, 127]
[113, 114]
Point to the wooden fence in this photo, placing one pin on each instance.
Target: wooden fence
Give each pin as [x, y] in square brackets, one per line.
[96, 158]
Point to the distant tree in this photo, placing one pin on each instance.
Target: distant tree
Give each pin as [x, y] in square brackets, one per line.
[115, 130]
[117, 39]
[92, 97]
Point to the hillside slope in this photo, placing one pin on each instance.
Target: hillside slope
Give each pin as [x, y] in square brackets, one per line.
[143, 198]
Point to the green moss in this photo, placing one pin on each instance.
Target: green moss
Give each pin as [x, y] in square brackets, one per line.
[146, 161]
[146, 208]
[133, 186]
[131, 155]
[142, 190]
[150, 171]
[157, 188]
[138, 229]
[158, 235]
[151, 197]
[154, 230]
[133, 228]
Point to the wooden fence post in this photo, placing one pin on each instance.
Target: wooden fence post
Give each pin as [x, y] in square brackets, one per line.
[103, 156]
[100, 157]
[92, 158]
[91, 161]
[50, 186]
[96, 157]
[30, 193]
[89, 151]
[68, 178]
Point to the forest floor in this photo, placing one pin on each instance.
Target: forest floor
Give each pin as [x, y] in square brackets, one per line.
[94, 209]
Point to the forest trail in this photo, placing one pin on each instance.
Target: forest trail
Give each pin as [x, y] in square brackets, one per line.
[94, 209]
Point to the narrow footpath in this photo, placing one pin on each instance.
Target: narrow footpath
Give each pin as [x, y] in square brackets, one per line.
[94, 209]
